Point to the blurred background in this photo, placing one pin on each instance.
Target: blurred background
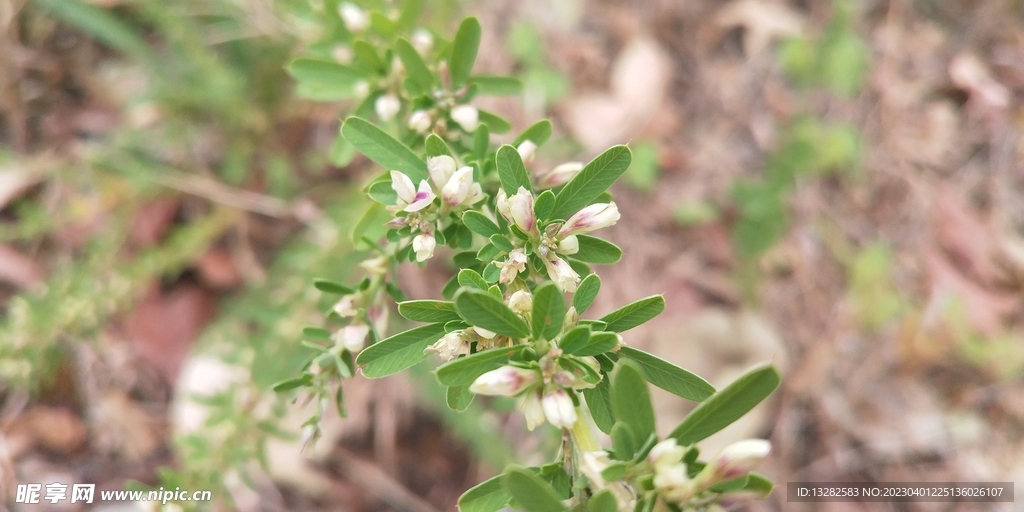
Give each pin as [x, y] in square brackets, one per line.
[835, 187]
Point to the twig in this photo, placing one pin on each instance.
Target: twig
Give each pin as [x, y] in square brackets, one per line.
[379, 483]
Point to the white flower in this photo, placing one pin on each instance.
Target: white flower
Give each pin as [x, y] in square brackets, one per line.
[352, 337]
[568, 245]
[559, 409]
[735, 460]
[512, 266]
[376, 266]
[441, 168]
[560, 174]
[342, 54]
[467, 116]
[673, 484]
[355, 19]
[484, 333]
[666, 454]
[562, 274]
[502, 204]
[457, 189]
[419, 121]
[410, 199]
[520, 207]
[361, 89]
[422, 40]
[346, 307]
[526, 150]
[533, 410]
[595, 216]
[387, 106]
[521, 302]
[449, 347]
[505, 381]
[424, 244]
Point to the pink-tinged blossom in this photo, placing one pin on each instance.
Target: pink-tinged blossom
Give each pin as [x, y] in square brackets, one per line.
[451, 346]
[558, 408]
[410, 199]
[560, 175]
[484, 333]
[520, 207]
[736, 460]
[505, 381]
[568, 245]
[512, 266]
[521, 302]
[457, 189]
[526, 150]
[352, 337]
[562, 274]
[533, 410]
[593, 217]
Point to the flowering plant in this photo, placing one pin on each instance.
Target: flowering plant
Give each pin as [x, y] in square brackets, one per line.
[511, 321]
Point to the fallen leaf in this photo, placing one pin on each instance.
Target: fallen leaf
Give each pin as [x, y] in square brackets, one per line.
[55, 428]
[163, 326]
[153, 219]
[18, 269]
[964, 236]
[762, 22]
[14, 183]
[968, 72]
[218, 270]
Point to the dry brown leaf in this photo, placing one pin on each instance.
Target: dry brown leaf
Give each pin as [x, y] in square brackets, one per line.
[965, 237]
[55, 428]
[164, 325]
[985, 309]
[14, 183]
[218, 270]
[153, 219]
[968, 72]
[121, 426]
[762, 22]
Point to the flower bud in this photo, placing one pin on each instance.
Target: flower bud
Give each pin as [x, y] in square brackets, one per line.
[560, 175]
[423, 244]
[422, 40]
[526, 150]
[558, 408]
[595, 216]
[666, 454]
[484, 333]
[410, 199]
[521, 302]
[593, 464]
[355, 19]
[419, 121]
[562, 274]
[440, 168]
[457, 189]
[342, 53]
[572, 319]
[533, 410]
[521, 211]
[735, 460]
[346, 307]
[467, 116]
[361, 89]
[376, 266]
[387, 106]
[352, 337]
[569, 245]
[505, 381]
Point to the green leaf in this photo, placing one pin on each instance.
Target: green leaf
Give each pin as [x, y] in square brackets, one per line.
[501, 242]
[538, 133]
[469, 277]
[436, 146]
[464, 48]
[631, 401]
[727, 405]
[415, 68]
[458, 398]
[382, 192]
[544, 205]
[324, 80]
[599, 343]
[481, 141]
[464, 370]
[511, 171]
[599, 400]
[382, 25]
[487, 496]
[667, 376]
[409, 13]
[603, 501]
[548, 311]
[398, 352]
[328, 286]
[383, 148]
[482, 309]
[759, 483]
[586, 292]
[624, 441]
[290, 384]
[595, 250]
[316, 334]
[480, 224]
[496, 123]
[575, 339]
[366, 57]
[634, 313]
[371, 224]
[497, 85]
[532, 493]
[428, 311]
[594, 179]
